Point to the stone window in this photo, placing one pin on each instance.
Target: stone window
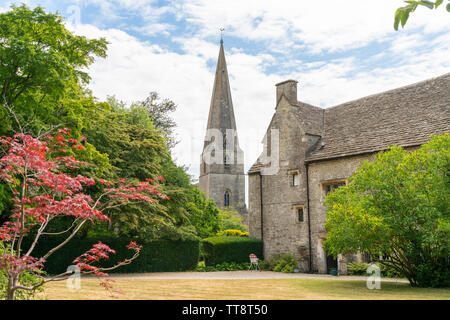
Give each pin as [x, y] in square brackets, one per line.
[330, 186]
[294, 178]
[299, 213]
[226, 199]
[300, 216]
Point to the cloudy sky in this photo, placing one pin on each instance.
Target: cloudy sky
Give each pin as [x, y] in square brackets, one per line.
[338, 50]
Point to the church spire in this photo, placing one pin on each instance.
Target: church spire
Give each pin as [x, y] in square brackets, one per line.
[221, 113]
[222, 161]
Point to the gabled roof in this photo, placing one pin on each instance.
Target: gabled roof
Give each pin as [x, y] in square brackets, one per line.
[405, 116]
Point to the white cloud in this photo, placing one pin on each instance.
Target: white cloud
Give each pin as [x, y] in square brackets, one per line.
[152, 29]
[322, 25]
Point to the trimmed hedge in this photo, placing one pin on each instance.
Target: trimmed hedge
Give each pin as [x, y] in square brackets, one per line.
[155, 256]
[220, 249]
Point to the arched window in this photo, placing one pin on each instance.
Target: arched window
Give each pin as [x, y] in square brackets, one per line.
[226, 199]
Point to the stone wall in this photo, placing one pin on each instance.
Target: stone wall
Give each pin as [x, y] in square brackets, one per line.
[320, 174]
[282, 232]
[215, 185]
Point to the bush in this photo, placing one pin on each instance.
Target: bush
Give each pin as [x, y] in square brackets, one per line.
[433, 275]
[284, 262]
[233, 233]
[217, 250]
[360, 269]
[155, 256]
[225, 266]
[357, 268]
[230, 219]
[389, 272]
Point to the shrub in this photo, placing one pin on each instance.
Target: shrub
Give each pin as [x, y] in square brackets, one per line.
[225, 266]
[389, 272]
[284, 262]
[230, 219]
[433, 275]
[357, 268]
[360, 269]
[233, 233]
[219, 249]
[155, 256]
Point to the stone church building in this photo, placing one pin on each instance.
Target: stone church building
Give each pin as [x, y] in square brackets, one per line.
[222, 175]
[318, 149]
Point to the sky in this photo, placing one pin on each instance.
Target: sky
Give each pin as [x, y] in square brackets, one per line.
[337, 50]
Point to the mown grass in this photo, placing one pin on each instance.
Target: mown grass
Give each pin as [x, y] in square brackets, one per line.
[272, 289]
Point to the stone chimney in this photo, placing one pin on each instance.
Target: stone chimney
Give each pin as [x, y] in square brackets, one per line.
[287, 88]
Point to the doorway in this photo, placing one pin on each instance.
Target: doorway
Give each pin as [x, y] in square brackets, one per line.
[331, 263]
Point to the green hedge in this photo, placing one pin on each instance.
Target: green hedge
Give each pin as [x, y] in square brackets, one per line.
[222, 249]
[155, 256]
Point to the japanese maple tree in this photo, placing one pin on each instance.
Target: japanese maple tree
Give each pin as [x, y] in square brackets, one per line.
[39, 172]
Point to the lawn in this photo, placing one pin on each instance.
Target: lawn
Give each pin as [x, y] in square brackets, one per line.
[269, 289]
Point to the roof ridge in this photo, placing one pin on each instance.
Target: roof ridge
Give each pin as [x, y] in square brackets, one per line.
[392, 90]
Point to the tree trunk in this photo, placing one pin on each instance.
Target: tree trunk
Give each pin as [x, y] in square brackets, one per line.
[12, 282]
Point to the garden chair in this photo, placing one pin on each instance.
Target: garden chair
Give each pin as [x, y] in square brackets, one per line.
[254, 262]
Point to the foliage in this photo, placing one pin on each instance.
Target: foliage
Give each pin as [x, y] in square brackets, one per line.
[225, 266]
[397, 206]
[136, 148]
[360, 269]
[155, 255]
[232, 233]
[159, 113]
[203, 214]
[283, 262]
[43, 64]
[27, 278]
[39, 170]
[230, 219]
[43, 78]
[402, 13]
[357, 268]
[219, 249]
[136, 151]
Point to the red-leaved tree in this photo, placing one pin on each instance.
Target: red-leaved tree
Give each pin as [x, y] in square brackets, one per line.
[43, 190]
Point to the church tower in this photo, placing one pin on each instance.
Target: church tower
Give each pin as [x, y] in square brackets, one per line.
[222, 161]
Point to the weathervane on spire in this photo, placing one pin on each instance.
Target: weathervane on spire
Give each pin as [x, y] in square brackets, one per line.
[221, 34]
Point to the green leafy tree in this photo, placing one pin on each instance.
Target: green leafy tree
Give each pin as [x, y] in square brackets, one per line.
[159, 111]
[42, 65]
[402, 13]
[42, 77]
[203, 214]
[135, 151]
[231, 219]
[397, 207]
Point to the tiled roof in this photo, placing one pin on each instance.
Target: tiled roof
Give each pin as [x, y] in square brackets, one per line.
[405, 116]
[310, 117]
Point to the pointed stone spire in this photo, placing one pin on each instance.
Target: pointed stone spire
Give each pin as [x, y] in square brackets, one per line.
[222, 161]
[221, 113]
